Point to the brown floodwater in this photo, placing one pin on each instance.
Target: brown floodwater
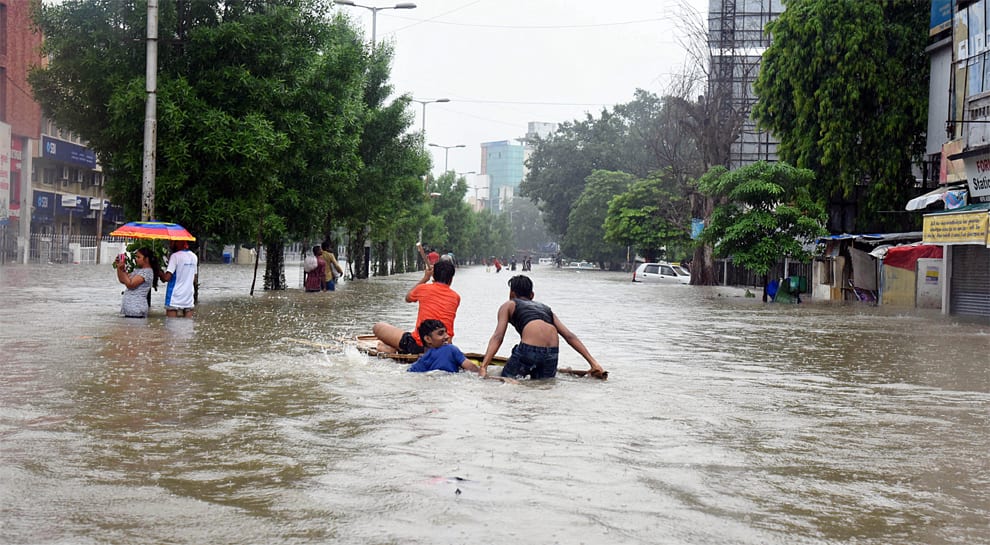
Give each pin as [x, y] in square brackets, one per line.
[724, 420]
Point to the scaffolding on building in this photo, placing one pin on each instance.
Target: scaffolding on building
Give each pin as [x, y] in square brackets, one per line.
[737, 40]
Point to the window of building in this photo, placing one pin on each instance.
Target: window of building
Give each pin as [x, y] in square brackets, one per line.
[48, 176]
[3, 29]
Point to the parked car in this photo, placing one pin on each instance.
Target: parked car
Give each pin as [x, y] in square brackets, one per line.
[583, 265]
[661, 272]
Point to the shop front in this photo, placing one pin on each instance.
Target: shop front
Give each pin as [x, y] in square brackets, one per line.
[965, 235]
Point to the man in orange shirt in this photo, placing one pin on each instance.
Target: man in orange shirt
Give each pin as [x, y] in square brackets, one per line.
[436, 300]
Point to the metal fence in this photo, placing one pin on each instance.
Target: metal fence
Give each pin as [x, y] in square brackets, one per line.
[729, 274]
[81, 249]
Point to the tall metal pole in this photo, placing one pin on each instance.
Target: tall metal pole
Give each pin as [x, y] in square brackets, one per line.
[374, 28]
[424, 103]
[422, 129]
[150, 116]
[446, 153]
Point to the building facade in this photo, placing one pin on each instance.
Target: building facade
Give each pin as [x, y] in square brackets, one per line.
[959, 139]
[737, 41]
[503, 164]
[51, 187]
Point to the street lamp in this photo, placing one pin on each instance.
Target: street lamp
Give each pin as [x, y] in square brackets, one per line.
[446, 152]
[424, 103]
[374, 14]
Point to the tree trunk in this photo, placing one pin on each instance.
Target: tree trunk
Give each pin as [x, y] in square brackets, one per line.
[355, 255]
[381, 263]
[703, 262]
[274, 266]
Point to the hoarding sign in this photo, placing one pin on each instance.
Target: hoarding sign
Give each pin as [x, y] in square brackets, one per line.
[978, 174]
[941, 17]
[67, 152]
[967, 228]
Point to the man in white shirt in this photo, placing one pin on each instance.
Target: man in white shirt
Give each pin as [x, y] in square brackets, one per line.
[183, 266]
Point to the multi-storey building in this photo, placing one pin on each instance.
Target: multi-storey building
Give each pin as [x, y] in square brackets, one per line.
[50, 183]
[502, 164]
[959, 142]
[737, 41]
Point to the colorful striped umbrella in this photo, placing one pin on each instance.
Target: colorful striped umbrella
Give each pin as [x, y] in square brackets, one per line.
[153, 229]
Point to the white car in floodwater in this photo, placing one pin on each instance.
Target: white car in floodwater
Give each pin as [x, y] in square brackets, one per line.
[663, 273]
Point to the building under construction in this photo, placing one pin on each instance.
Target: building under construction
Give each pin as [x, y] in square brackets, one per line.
[737, 40]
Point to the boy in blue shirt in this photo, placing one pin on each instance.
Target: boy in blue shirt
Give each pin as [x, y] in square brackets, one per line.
[439, 355]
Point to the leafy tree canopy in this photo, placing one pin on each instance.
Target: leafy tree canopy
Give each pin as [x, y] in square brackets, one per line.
[259, 107]
[843, 86]
[766, 213]
[529, 232]
[585, 238]
[640, 137]
[650, 216]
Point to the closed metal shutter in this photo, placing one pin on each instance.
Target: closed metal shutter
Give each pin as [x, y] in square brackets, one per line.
[970, 289]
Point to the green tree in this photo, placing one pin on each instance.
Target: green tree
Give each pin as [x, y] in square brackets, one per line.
[528, 230]
[388, 204]
[259, 106]
[843, 86]
[765, 212]
[585, 238]
[493, 236]
[651, 216]
[455, 228]
[643, 136]
[560, 164]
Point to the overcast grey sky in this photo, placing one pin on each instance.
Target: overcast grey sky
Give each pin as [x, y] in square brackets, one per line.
[503, 63]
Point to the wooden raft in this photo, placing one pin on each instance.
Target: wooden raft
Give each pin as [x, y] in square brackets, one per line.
[369, 345]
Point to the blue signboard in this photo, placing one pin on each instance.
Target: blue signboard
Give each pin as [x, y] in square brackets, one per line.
[941, 16]
[67, 152]
[697, 226]
[44, 206]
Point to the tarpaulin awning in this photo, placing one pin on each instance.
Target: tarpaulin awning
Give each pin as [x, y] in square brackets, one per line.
[874, 238]
[922, 201]
[907, 256]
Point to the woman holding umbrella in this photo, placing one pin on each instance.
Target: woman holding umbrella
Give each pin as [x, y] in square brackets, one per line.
[183, 265]
[139, 283]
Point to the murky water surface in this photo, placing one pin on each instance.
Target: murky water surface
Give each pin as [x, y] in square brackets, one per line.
[724, 420]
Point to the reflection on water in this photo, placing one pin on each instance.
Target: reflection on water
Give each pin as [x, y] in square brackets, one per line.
[724, 420]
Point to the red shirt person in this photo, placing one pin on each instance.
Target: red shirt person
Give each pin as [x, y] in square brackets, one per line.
[436, 300]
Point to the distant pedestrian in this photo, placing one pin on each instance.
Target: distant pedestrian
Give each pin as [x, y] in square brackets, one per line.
[316, 271]
[334, 270]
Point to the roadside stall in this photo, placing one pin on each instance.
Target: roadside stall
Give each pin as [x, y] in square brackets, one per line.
[849, 267]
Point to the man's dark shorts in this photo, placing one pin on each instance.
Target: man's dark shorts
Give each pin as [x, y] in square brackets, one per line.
[408, 345]
[537, 362]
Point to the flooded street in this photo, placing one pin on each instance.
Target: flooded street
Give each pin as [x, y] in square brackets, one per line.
[724, 420]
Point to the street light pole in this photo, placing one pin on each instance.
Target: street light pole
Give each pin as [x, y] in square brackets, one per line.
[446, 152]
[424, 103]
[374, 14]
